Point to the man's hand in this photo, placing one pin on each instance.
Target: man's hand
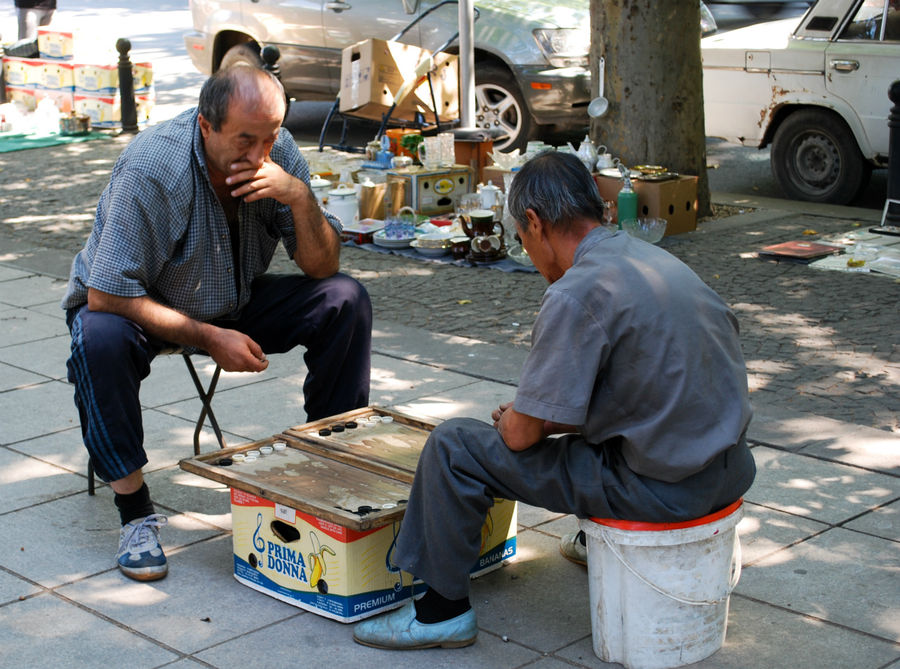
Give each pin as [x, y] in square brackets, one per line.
[519, 430]
[234, 351]
[269, 180]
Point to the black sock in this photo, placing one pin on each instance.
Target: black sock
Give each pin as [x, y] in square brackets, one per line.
[134, 505]
[435, 608]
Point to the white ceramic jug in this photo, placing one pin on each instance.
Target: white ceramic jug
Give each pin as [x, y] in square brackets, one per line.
[343, 203]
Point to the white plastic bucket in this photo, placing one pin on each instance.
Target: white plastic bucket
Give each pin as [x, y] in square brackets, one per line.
[660, 591]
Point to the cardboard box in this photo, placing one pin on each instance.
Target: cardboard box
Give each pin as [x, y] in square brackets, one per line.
[64, 99]
[314, 519]
[27, 97]
[372, 72]
[55, 44]
[58, 75]
[96, 79]
[105, 111]
[23, 72]
[673, 199]
[332, 570]
[143, 77]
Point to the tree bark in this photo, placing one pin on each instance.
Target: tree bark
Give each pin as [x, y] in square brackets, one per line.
[654, 83]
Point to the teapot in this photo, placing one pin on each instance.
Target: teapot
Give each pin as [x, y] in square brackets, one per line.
[490, 195]
[486, 233]
[343, 203]
[587, 153]
[320, 188]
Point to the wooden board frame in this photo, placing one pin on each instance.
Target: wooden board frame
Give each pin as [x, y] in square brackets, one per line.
[302, 497]
[380, 459]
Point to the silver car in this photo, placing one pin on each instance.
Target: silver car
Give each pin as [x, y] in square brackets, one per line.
[531, 56]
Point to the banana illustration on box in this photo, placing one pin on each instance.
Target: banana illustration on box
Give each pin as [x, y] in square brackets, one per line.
[317, 564]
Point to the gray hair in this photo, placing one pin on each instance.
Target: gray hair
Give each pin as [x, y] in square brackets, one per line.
[222, 87]
[558, 188]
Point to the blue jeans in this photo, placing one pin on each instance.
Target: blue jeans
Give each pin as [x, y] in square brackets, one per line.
[111, 355]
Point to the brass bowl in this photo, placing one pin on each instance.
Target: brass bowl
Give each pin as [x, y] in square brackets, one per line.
[650, 169]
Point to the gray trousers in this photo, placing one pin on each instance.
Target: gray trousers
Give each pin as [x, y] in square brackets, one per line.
[465, 464]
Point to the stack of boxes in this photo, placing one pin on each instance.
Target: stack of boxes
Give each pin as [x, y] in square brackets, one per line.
[75, 87]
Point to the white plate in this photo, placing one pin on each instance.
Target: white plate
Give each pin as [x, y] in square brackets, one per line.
[427, 251]
[380, 240]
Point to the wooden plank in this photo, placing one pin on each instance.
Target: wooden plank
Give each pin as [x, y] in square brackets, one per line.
[323, 487]
[390, 449]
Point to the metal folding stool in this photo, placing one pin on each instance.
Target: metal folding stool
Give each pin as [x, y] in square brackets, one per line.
[205, 395]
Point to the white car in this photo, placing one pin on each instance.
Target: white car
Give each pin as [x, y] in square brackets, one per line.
[814, 88]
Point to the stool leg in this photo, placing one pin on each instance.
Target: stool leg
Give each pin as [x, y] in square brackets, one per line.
[90, 473]
[206, 399]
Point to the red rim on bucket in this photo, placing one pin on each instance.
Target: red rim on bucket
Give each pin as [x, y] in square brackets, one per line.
[640, 526]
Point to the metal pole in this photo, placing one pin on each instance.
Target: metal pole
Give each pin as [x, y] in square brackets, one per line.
[126, 87]
[892, 215]
[466, 65]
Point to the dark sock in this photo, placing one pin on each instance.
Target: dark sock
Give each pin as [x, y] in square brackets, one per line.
[581, 538]
[435, 608]
[134, 505]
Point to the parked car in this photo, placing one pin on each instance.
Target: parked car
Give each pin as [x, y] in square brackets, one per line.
[759, 9]
[531, 56]
[814, 88]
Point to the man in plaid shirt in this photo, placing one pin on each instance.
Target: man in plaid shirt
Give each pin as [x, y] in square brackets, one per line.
[182, 238]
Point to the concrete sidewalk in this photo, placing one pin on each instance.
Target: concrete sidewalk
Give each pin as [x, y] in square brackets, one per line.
[820, 535]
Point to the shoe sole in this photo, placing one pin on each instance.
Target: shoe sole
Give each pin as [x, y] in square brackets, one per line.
[583, 563]
[436, 644]
[150, 574]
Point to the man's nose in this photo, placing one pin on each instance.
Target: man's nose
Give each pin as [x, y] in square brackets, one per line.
[257, 154]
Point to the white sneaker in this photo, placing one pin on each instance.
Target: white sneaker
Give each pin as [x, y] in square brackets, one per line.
[573, 547]
[140, 556]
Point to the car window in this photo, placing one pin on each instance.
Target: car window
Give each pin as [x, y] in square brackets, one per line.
[892, 24]
[866, 24]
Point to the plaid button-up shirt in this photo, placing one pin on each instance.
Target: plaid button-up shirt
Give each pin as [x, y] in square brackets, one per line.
[160, 230]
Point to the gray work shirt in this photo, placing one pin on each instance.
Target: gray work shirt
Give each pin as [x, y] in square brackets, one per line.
[160, 230]
[631, 346]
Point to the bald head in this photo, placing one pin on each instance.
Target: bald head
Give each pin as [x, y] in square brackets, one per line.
[247, 87]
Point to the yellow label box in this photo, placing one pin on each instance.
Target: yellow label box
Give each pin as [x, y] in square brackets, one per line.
[55, 44]
[96, 78]
[26, 72]
[335, 571]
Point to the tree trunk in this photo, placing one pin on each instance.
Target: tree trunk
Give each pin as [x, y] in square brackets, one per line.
[654, 83]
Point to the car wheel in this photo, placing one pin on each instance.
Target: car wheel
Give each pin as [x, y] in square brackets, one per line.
[815, 158]
[242, 53]
[500, 107]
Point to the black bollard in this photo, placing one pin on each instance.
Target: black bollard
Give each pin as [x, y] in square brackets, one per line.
[270, 55]
[126, 87]
[892, 216]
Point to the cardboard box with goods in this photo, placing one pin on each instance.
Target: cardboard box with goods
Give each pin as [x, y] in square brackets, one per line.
[373, 71]
[315, 518]
[105, 111]
[23, 72]
[672, 199]
[58, 75]
[55, 44]
[26, 97]
[96, 79]
[29, 98]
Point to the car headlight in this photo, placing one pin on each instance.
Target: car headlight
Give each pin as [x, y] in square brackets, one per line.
[565, 47]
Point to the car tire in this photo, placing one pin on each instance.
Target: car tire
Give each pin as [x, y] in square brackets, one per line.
[246, 53]
[499, 105]
[815, 158]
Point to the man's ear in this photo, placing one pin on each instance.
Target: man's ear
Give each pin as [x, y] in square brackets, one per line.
[534, 222]
[205, 126]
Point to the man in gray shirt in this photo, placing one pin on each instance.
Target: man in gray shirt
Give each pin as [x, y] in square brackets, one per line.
[632, 404]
